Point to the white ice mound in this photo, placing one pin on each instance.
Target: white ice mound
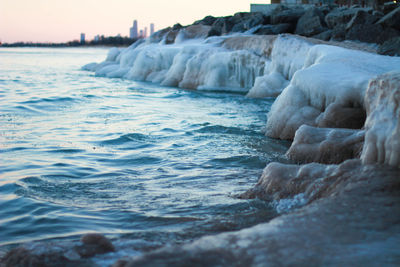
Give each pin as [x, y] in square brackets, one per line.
[325, 145]
[327, 88]
[382, 139]
[218, 63]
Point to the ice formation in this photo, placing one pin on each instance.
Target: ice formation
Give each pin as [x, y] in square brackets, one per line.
[382, 139]
[327, 88]
[191, 62]
[325, 145]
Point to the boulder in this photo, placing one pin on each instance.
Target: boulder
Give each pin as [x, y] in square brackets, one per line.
[93, 244]
[290, 16]
[392, 19]
[274, 29]
[311, 23]
[373, 33]
[170, 36]
[390, 47]
[339, 32]
[325, 36]
[361, 17]
[339, 17]
[208, 21]
[222, 25]
[248, 23]
[389, 7]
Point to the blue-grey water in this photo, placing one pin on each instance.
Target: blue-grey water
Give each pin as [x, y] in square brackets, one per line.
[129, 159]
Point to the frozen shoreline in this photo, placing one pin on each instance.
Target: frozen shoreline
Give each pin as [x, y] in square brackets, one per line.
[341, 107]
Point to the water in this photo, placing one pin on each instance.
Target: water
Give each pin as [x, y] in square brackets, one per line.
[132, 160]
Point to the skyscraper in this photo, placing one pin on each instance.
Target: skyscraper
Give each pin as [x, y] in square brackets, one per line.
[133, 31]
[151, 29]
[145, 32]
[82, 38]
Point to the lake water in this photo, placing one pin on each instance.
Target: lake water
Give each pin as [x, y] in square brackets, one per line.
[132, 160]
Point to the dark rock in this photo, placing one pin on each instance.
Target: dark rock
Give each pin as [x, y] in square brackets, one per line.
[170, 36]
[214, 32]
[390, 47]
[374, 33]
[361, 17]
[339, 17]
[339, 33]
[274, 29]
[364, 33]
[222, 25]
[389, 7]
[248, 23]
[392, 19]
[325, 36]
[387, 34]
[208, 21]
[378, 14]
[177, 26]
[311, 23]
[94, 244]
[287, 16]
[21, 257]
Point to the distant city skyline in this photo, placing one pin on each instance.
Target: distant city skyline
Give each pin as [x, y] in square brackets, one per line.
[62, 21]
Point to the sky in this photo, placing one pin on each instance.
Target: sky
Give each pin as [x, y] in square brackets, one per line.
[65, 20]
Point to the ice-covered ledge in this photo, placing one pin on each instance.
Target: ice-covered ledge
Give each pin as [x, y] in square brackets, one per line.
[382, 139]
[326, 89]
[325, 145]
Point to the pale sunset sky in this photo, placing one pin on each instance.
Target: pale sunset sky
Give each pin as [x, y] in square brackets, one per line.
[64, 20]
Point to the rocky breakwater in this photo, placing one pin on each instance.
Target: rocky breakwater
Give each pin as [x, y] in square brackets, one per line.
[328, 23]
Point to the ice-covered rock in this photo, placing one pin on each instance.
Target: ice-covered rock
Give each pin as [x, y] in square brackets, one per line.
[327, 87]
[382, 138]
[325, 145]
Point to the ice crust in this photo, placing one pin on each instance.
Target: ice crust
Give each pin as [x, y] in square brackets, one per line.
[382, 140]
[325, 145]
[330, 84]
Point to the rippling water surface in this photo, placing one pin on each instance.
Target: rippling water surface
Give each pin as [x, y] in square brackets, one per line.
[129, 159]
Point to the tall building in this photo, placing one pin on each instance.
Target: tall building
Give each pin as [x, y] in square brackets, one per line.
[145, 32]
[151, 29]
[82, 38]
[133, 31]
[141, 34]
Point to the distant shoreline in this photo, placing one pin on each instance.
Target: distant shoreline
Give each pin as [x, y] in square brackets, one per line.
[111, 41]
